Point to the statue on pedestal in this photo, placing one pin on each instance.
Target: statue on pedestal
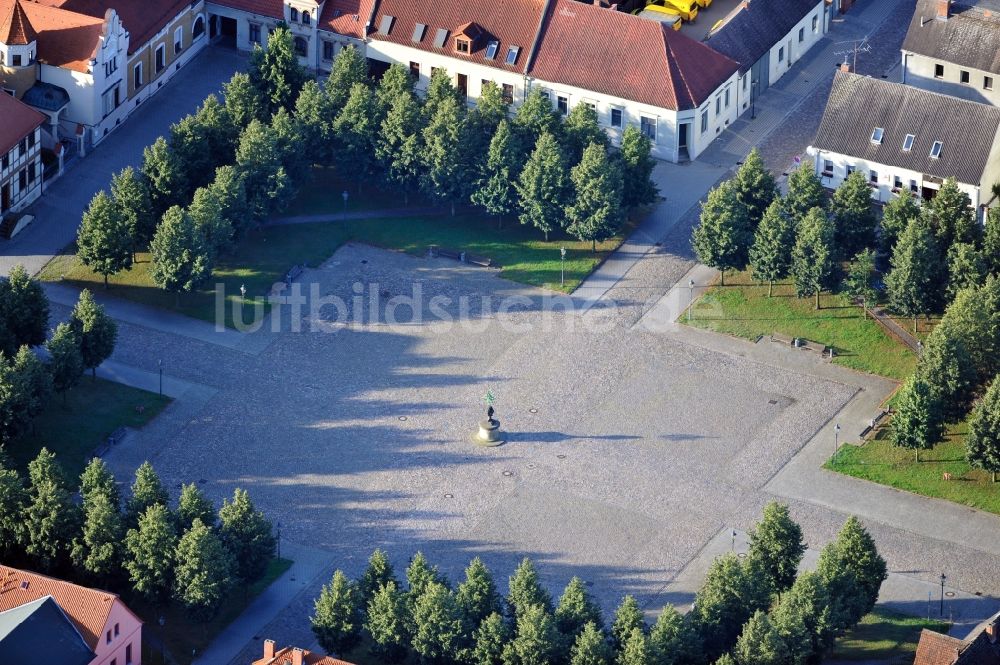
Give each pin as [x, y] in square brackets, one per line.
[489, 430]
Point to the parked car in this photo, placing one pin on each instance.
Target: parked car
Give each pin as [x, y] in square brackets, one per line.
[661, 14]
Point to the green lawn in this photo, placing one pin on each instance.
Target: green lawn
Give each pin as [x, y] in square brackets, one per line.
[742, 308]
[92, 411]
[265, 256]
[323, 194]
[884, 635]
[881, 462]
[182, 636]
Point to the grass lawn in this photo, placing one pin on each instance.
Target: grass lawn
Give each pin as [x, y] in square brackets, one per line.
[881, 462]
[183, 636]
[742, 308]
[265, 256]
[92, 411]
[884, 635]
[323, 194]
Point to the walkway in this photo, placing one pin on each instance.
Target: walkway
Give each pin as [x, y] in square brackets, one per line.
[895, 329]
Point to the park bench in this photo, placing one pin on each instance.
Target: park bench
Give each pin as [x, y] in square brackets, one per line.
[113, 438]
[781, 339]
[448, 253]
[810, 345]
[293, 274]
[875, 423]
[484, 261]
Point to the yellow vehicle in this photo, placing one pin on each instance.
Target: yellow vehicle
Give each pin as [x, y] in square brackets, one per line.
[686, 9]
[704, 3]
[661, 14]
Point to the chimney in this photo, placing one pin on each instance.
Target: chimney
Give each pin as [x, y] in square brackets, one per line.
[297, 656]
[268, 648]
[992, 630]
[844, 67]
[943, 9]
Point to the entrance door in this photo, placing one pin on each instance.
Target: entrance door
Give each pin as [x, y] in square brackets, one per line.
[5, 197]
[683, 131]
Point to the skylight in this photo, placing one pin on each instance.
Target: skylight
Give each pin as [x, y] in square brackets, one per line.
[440, 37]
[386, 24]
[936, 150]
[419, 30]
[512, 53]
[491, 49]
[877, 135]
[908, 142]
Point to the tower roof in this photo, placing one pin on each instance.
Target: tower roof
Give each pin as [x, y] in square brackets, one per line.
[15, 28]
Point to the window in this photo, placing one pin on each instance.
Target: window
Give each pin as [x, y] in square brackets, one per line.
[137, 75]
[178, 40]
[815, 24]
[936, 150]
[462, 45]
[31, 179]
[440, 37]
[327, 50]
[562, 103]
[913, 186]
[648, 128]
[294, 13]
[31, 140]
[873, 177]
[545, 96]
[301, 47]
[616, 117]
[802, 35]
[22, 147]
[22, 184]
[850, 169]
[117, 632]
[128, 654]
[16, 60]
[462, 84]
[419, 30]
[199, 27]
[255, 33]
[987, 83]
[781, 54]
[963, 76]
[5, 161]
[704, 121]
[939, 71]
[491, 49]
[512, 53]
[415, 69]
[827, 168]
[897, 183]
[107, 638]
[508, 93]
[160, 58]
[305, 17]
[877, 135]
[385, 26]
[110, 100]
[908, 142]
[727, 97]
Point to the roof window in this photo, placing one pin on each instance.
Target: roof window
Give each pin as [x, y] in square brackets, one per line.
[419, 30]
[440, 37]
[491, 49]
[908, 142]
[877, 135]
[936, 150]
[512, 53]
[386, 24]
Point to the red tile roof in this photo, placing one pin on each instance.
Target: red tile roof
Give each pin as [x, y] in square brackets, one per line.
[339, 16]
[284, 656]
[15, 28]
[142, 18]
[937, 649]
[19, 120]
[272, 8]
[87, 608]
[510, 22]
[625, 56]
[65, 39]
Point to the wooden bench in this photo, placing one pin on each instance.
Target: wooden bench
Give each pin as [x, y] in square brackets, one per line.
[781, 339]
[447, 253]
[810, 345]
[875, 423]
[484, 261]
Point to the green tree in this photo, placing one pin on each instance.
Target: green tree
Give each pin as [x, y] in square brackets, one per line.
[526, 590]
[674, 640]
[490, 110]
[355, 129]
[248, 534]
[802, 618]
[776, 545]
[952, 216]
[917, 423]
[590, 647]
[859, 283]
[991, 241]
[755, 187]
[444, 177]
[536, 641]
[596, 209]
[166, 179]
[853, 218]
[378, 573]
[217, 130]
[731, 593]
[535, 117]
[51, 519]
[243, 102]
[477, 596]
[948, 370]
[973, 319]
[147, 490]
[576, 609]
[66, 361]
[966, 267]
[97, 550]
[489, 640]
[854, 551]
[130, 196]
[190, 146]
[399, 143]
[723, 236]
[419, 575]
[813, 257]
[726, 659]
[13, 498]
[770, 255]
[628, 616]
[13, 421]
[313, 112]
[34, 386]
[760, 643]
[265, 181]
[388, 623]
[805, 192]
[336, 621]
[636, 650]
[25, 309]
[397, 81]
[290, 148]
[181, 259]
[150, 548]
[210, 219]
[349, 68]
[97, 479]
[228, 189]
[275, 71]
[94, 329]
[580, 129]
[495, 190]
[437, 624]
[202, 572]
[439, 89]
[191, 505]
[104, 242]
[637, 168]
[543, 187]
[982, 445]
[913, 282]
[896, 216]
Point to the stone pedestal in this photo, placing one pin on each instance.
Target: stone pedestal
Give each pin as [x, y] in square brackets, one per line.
[489, 433]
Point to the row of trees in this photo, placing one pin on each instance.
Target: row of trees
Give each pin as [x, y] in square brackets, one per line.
[230, 165]
[193, 554]
[757, 611]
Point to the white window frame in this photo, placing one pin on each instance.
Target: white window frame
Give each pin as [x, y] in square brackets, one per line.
[178, 39]
[137, 69]
[621, 117]
[648, 121]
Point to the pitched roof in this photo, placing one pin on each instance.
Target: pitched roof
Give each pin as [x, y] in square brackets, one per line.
[19, 120]
[626, 56]
[283, 656]
[15, 28]
[969, 38]
[859, 104]
[64, 38]
[141, 18]
[87, 608]
[754, 26]
[271, 8]
[937, 649]
[346, 17]
[40, 632]
[512, 23]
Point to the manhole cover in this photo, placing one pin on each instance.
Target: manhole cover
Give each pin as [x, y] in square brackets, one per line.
[402, 417]
[949, 594]
[561, 456]
[449, 496]
[531, 466]
[508, 473]
[742, 555]
[364, 260]
[532, 410]
[772, 401]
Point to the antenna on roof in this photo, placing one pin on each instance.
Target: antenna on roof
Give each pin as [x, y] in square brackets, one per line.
[862, 46]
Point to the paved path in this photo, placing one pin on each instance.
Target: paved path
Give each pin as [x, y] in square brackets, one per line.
[58, 212]
[895, 329]
[309, 563]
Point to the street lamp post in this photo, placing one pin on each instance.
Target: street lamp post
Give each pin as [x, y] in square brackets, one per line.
[159, 365]
[690, 298]
[836, 439]
[943, 578]
[562, 266]
[278, 527]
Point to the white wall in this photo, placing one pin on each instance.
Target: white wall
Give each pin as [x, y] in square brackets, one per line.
[982, 87]
[792, 48]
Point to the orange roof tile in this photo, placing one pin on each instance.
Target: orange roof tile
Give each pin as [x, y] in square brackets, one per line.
[625, 56]
[271, 8]
[65, 39]
[937, 649]
[19, 120]
[87, 608]
[15, 28]
[339, 17]
[141, 18]
[283, 656]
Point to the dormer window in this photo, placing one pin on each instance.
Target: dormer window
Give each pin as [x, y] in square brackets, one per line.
[294, 13]
[463, 45]
[936, 150]
[512, 53]
[877, 135]
[908, 142]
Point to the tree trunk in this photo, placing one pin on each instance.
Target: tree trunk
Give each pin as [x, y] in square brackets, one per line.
[817, 298]
[546, 236]
[722, 277]
[93, 373]
[499, 222]
[770, 287]
[593, 245]
[105, 281]
[452, 208]
[994, 476]
[914, 325]
[916, 454]
[864, 309]
[406, 198]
